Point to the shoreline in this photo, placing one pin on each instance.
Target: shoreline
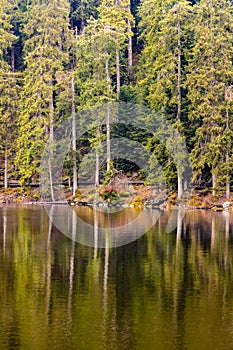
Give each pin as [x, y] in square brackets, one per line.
[140, 198]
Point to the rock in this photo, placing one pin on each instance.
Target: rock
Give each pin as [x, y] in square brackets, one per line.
[155, 202]
[226, 205]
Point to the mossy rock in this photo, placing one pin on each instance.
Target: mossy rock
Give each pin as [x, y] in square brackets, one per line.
[137, 200]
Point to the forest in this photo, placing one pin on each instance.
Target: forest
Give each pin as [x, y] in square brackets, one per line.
[60, 57]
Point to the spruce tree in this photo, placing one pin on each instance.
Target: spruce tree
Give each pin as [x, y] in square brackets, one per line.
[164, 33]
[45, 56]
[8, 89]
[209, 84]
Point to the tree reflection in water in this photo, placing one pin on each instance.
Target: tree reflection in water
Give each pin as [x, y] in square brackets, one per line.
[164, 290]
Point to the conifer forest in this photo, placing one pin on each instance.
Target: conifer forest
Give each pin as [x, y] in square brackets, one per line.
[59, 57]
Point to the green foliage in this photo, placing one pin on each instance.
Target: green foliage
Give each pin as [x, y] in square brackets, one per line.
[45, 54]
[108, 174]
[60, 56]
[110, 196]
[9, 88]
[137, 200]
[210, 74]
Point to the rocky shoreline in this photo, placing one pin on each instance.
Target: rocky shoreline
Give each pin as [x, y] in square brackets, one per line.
[140, 196]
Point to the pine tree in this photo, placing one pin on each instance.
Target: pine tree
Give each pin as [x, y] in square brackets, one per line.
[8, 89]
[46, 55]
[164, 32]
[82, 11]
[116, 21]
[209, 84]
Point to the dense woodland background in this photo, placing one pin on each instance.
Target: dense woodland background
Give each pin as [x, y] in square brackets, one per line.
[58, 57]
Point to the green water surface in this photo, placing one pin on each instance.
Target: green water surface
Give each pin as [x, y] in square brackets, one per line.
[163, 291]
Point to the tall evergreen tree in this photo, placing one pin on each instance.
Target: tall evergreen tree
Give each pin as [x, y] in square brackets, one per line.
[209, 83]
[164, 32]
[82, 11]
[8, 88]
[46, 55]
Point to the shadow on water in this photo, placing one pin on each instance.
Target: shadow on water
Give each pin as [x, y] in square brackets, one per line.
[160, 291]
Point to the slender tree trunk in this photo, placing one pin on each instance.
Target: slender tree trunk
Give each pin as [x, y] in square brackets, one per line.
[51, 114]
[97, 169]
[82, 17]
[107, 72]
[6, 170]
[179, 74]
[76, 33]
[107, 121]
[213, 183]
[74, 149]
[130, 53]
[97, 159]
[108, 138]
[12, 59]
[130, 46]
[118, 74]
[180, 184]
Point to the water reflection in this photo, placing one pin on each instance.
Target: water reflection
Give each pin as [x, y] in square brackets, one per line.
[162, 291]
[97, 228]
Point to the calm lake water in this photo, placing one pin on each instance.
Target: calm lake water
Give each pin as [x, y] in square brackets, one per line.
[162, 291]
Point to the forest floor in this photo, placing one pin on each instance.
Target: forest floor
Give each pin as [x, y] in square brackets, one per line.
[139, 196]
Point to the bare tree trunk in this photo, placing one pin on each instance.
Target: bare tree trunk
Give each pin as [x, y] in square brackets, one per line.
[108, 138]
[51, 112]
[179, 74]
[12, 59]
[107, 121]
[213, 183]
[130, 46]
[107, 72]
[130, 52]
[82, 18]
[6, 171]
[74, 149]
[118, 77]
[97, 169]
[180, 185]
[97, 159]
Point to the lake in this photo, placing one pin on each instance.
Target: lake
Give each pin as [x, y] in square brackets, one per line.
[127, 290]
